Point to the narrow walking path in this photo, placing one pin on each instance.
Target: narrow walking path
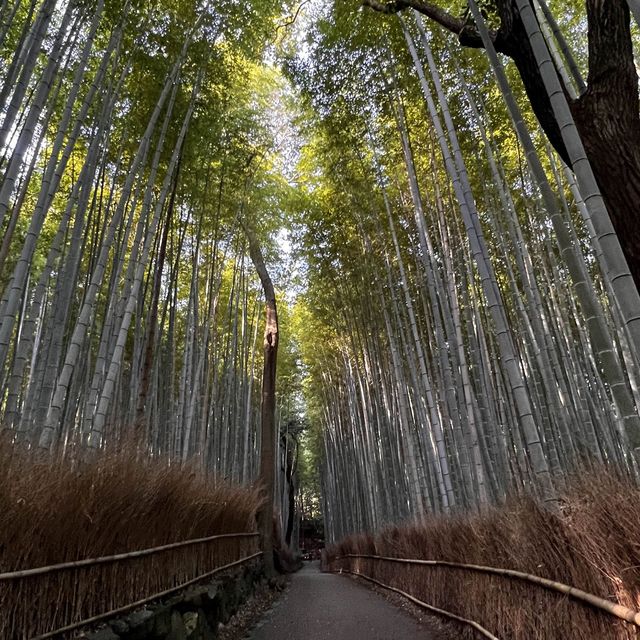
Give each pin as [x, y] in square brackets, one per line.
[320, 606]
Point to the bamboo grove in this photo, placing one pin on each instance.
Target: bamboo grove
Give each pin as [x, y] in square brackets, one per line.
[474, 321]
[458, 317]
[134, 148]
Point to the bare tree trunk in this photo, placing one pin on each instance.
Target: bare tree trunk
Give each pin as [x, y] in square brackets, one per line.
[268, 426]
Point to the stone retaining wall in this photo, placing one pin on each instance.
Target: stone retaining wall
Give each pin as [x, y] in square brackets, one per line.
[194, 614]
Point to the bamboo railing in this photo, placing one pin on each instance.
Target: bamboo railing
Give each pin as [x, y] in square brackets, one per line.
[89, 562]
[619, 611]
[139, 603]
[66, 602]
[448, 614]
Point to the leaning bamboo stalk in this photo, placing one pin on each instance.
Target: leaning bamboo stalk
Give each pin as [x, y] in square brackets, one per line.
[583, 286]
[618, 610]
[115, 314]
[137, 275]
[424, 605]
[564, 46]
[456, 168]
[140, 603]
[614, 264]
[90, 562]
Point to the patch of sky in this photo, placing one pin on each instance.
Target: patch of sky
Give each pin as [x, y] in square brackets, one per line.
[281, 113]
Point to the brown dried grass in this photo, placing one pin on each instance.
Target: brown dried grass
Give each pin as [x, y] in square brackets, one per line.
[592, 543]
[53, 512]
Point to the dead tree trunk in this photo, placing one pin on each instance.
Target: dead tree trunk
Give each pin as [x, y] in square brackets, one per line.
[268, 411]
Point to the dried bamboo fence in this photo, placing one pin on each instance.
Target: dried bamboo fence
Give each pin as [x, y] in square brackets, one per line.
[52, 600]
[447, 614]
[602, 604]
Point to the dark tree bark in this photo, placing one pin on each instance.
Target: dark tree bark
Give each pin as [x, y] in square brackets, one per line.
[607, 114]
[268, 410]
[290, 476]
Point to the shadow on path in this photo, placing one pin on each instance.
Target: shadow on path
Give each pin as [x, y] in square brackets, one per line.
[321, 606]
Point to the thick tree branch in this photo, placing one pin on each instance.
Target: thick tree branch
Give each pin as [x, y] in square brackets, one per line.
[510, 39]
[430, 10]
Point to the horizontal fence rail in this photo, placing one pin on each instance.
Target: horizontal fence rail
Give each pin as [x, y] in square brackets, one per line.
[617, 610]
[74, 594]
[479, 628]
[89, 562]
[139, 603]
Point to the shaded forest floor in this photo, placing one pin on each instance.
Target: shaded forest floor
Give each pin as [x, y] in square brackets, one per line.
[319, 606]
[266, 598]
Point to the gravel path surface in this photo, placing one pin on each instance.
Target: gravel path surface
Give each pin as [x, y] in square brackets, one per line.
[320, 606]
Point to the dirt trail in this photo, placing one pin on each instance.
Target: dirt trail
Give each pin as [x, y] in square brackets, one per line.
[320, 606]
